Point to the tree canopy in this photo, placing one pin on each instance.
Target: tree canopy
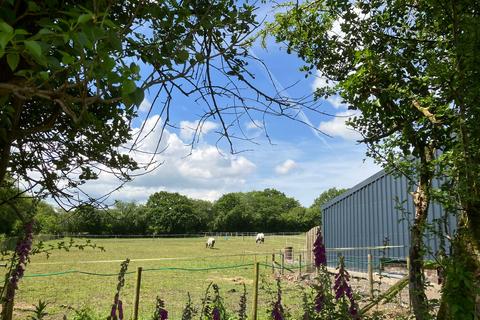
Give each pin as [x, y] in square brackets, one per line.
[71, 82]
[172, 213]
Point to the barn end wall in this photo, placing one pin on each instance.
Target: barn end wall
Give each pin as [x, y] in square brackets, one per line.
[360, 221]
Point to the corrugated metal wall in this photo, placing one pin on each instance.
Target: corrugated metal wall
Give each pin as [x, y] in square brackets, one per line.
[375, 213]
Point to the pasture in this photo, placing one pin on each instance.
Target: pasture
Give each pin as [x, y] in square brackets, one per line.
[65, 292]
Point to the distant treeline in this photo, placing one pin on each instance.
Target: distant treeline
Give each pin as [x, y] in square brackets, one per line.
[268, 211]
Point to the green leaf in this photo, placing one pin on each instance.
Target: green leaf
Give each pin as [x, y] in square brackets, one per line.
[53, 62]
[182, 56]
[129, 86]
[134, 68]
[66, 58]
[43, 75]
[108, 63]
[5, 27]
[44, 31]
[5, 39]
[33, 48]
[12, 60]
[24, 73]
[32, 6]
[84, 41]
[21, 32]
[84, 18]
[138, 96]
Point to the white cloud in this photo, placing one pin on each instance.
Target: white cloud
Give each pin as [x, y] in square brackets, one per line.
[336, 29]
[254, 124]
[145, 105]
[286, 167]
[321, 81]
[189, 128]
[340, 166]
[336, 102]
[336, 127]
[204, 172]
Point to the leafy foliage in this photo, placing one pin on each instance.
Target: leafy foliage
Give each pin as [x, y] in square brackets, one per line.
[39, 312]
[171, 213]
[269, 210]
[71, 83]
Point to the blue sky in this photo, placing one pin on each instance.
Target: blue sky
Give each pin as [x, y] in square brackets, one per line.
[297, 160]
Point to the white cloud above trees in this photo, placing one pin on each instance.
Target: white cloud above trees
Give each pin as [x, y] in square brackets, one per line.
[286, 167]
[336, 127]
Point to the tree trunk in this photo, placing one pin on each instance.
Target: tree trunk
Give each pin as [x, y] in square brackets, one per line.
[8, 303]
[473, 215]
[421, 199]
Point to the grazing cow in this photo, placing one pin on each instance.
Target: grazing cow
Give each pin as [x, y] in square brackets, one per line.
[210, 243]
[260, 238]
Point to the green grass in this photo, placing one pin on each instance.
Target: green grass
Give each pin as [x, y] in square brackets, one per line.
[67, 291]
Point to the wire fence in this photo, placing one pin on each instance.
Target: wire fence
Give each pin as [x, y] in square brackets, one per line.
[173, 282]
[9, 243]
[246, 265]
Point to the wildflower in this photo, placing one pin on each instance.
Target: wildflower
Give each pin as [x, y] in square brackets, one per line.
[353, 311]
[113, 312]
[319, 301]
[117, 305]
[188, 311]
[242, 312]
[120, 310]
[306, 306]
[163, 314]
[277, 310]
[215, 314]
[160, 312]
[21, 251]
[319, 250]
[343, 290]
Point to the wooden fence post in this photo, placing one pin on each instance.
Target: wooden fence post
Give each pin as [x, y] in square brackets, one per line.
[408, 274]
[255, 292]
[273, 262]
[283, 263]
[136, 302]
[300, 265]
[370, 274]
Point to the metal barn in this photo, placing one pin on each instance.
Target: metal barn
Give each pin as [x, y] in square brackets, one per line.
[373, 218]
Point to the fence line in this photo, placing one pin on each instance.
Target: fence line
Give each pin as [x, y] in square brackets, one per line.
[9, 243]
[181, 235]
[274, 265]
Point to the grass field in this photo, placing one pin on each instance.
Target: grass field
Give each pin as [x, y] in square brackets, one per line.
[66, 291]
